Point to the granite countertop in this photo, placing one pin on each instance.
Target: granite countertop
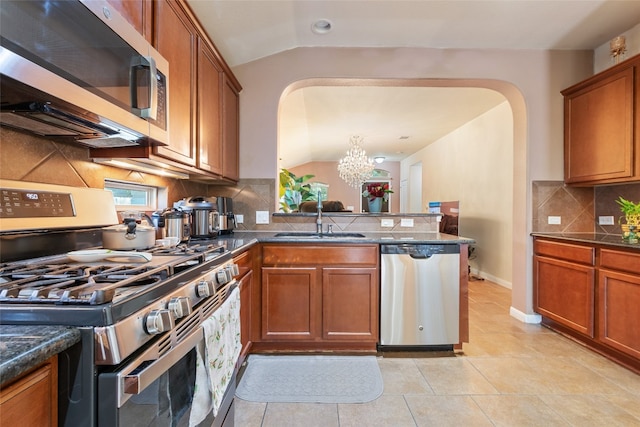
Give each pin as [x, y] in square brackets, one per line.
[242, 238]
[592, 238]
[25, 347]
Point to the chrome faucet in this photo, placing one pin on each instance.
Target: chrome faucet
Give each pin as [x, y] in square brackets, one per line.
[319, 218]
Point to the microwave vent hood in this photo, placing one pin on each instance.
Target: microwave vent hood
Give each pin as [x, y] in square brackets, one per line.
[76, 70]
[29, 110]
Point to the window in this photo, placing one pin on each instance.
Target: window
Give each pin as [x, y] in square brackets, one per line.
[133, 196]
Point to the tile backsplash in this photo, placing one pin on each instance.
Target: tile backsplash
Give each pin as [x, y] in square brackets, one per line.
[24, 157]
[578, 207]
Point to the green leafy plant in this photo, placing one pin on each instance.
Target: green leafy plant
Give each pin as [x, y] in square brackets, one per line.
[630, 210]
[294, 190]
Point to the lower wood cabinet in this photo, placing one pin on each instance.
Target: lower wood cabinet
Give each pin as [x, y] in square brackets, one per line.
[349, 304]
[559, 282]
[290, 303]
[592, 293]
[246, 284]
[619, 301]
[32, 400]
[321, 297]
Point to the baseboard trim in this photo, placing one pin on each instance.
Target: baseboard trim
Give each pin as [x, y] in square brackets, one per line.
[486, 276]
[525, 318]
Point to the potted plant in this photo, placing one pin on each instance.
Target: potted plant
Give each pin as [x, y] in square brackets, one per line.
[294, 190]
[631, 213]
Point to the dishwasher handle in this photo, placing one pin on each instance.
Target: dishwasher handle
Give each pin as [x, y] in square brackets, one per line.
[420, 256]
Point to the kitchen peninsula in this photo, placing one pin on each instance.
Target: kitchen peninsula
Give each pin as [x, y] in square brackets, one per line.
[248, 247]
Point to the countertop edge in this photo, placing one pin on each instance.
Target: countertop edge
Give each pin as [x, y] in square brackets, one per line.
[370, 237]
[602, 239]
[22, 348]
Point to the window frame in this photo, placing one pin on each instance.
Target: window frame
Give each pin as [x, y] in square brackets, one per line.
[150, 191]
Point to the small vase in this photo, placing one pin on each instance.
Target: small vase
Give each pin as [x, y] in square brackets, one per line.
[375, 205]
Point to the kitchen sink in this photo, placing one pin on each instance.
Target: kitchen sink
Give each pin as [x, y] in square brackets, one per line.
[309, 235]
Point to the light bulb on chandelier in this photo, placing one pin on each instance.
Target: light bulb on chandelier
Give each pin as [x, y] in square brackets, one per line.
[355, 168]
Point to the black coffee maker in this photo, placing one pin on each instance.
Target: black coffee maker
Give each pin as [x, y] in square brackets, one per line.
[227, 222]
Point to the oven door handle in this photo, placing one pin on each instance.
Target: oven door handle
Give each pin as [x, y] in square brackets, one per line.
[136, 383]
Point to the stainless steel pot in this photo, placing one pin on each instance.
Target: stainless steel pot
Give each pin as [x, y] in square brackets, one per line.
[173, 223]
[128, 236]
[205, 219]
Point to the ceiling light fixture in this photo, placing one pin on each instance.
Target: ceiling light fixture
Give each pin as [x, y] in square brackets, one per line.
[355, 168]
[379, 159]
[321, 26]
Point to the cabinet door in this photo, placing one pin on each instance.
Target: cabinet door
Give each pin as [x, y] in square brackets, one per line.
[230, 131]
[619, 316]
[290, 303]
[599, 137]
[175, 39]
[33, 399]
[137, 12]
[564, 292]
[209, 115]
[246, 286]
[350, 304]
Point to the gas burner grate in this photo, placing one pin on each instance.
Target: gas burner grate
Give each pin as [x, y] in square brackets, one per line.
[187, 249]
[73, 284]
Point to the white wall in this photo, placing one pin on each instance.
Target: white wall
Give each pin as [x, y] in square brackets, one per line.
[531, 81]
[602, 55]
[474, 164]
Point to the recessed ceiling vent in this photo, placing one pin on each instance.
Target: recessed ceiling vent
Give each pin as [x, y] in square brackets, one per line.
[321, 26]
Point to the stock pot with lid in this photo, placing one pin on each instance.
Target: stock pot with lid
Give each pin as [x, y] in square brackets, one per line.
[205, 218]
[128, 235]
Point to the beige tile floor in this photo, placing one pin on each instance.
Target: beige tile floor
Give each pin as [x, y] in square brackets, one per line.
[510, 374]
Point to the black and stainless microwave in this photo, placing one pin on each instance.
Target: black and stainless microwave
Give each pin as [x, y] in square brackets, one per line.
[77, 69]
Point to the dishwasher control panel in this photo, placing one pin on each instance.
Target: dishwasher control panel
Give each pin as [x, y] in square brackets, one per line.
[425, 250]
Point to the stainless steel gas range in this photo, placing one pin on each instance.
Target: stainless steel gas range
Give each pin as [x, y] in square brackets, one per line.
[141, 322]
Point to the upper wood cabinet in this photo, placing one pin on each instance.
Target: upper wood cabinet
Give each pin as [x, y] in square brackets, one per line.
[138, 13]
[176, 39]
[210, 107]
[601, 124]
[203, 94]
[230, 129]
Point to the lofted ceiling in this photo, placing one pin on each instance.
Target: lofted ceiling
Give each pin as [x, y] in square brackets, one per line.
[316, 122]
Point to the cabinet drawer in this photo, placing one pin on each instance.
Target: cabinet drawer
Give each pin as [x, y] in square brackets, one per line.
[320, 255]
[618, 260]
[566, 251]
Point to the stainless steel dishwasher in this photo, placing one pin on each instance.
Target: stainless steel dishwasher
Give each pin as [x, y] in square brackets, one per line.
[420, 296]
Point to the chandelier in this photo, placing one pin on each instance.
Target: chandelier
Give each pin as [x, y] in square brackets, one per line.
[355, 168]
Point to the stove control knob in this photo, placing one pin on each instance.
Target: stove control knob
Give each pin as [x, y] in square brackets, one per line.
[222, 276]
[179, 307]
[158, 321]
[205, 288]
[234, 269]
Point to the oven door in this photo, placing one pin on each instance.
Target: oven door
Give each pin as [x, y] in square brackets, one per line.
[158, 391]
